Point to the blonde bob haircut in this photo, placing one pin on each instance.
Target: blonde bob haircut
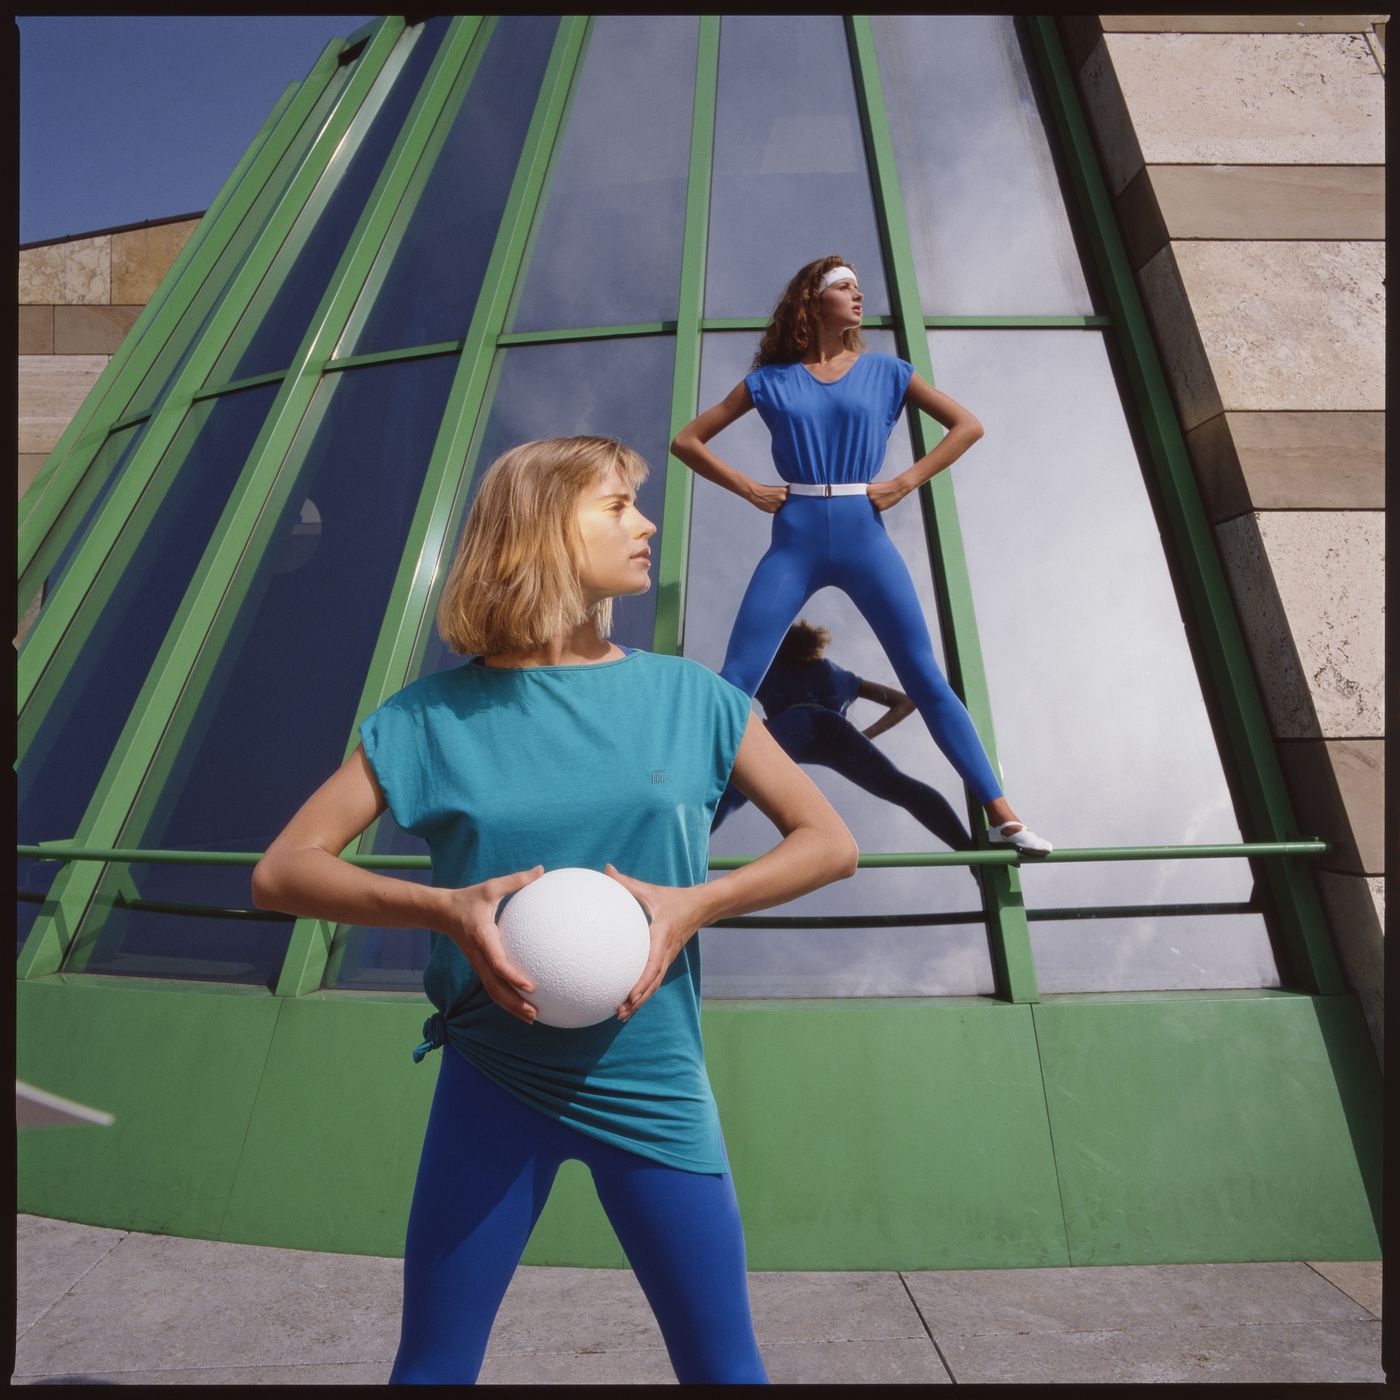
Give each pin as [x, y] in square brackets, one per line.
[514, 583]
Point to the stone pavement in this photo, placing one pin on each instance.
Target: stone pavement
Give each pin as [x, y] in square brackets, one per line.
[99, 1305]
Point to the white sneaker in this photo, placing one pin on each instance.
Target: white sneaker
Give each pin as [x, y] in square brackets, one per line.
[1024, 840]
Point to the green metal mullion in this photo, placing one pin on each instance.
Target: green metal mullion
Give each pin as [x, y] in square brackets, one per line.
[402, 633]
[171, 696]
[45, 501]
[1018, 323]
[252, 382]
[1302, 925]
[585, 333]
[69, 616]
[1007, 925]
[668, 634]
[382, 357]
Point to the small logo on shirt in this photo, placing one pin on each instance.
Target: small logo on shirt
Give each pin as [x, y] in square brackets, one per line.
[658, 775]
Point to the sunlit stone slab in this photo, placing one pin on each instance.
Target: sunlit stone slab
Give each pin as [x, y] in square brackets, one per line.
[65, 274]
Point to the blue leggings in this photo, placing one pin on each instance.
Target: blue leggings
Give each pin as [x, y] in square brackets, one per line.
[488, 1163]
[840, 542]
[815, 734]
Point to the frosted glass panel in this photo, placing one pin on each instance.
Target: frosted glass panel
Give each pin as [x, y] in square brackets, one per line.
[985, 211]
[727, 538]
[608, 250]
[790, 180]
[1101, 727]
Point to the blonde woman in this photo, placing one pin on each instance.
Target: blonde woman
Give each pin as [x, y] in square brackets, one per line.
[553, 747]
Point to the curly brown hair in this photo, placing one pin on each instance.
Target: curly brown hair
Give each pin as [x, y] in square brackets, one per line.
[802, 644]
[792, 327]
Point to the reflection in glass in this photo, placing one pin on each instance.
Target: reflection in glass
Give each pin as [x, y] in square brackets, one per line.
[1101, 727]
[423, 287]
[246, 764]
[727, 538]
[279, 315]
[982, 201]
[790, 179]
[608, 250]
[181, 340]
[60, 768]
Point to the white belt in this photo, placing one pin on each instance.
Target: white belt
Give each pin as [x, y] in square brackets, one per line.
[849, 488]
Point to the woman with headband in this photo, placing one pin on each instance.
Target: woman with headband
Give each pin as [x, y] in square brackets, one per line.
[545, 749]
[830, 409]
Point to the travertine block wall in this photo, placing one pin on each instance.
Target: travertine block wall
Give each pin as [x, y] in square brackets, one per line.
[1245, 154]
[77, 298]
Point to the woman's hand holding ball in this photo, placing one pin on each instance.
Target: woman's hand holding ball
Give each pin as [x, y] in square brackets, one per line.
[471, 925]
[675, 913]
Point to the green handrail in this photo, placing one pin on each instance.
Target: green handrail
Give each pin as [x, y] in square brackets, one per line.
[880, 860]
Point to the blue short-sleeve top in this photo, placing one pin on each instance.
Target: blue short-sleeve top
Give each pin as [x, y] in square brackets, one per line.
[819, 682]
[830, 433]
[623, 761]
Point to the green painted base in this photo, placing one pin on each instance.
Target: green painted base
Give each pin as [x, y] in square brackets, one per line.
[862, 1135]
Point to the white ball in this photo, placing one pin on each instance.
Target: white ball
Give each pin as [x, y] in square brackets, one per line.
[583, 940]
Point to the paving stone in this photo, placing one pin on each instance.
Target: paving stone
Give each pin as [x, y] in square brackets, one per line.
[50, 1257]
[1338, 791]
[647, 1366]
[1359, 1279]
[894, 1361]
[567, 1310]
[1189, 372]
[351, 1373]
[1225, 24]
[67, 274]
[1267, 99]
[1272, 1355]
[831, 1307]
[163, 1303]
[985, 1302]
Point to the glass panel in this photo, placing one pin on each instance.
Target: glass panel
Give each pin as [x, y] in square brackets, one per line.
[986, 215]
[1101, 726]
[790, 179]
[608, 250]
[620, 388]
[727, 538]
[281, 311]
[182, 338]
[59, 770]
[111, 460]
[270, 724]
[423, 286]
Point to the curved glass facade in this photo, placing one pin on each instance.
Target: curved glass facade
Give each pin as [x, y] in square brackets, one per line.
[479, 231]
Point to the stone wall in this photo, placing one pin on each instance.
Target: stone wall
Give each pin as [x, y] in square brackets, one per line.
[77, 298]
[1245, 155]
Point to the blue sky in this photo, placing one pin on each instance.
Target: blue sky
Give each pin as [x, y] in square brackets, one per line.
[131, 117]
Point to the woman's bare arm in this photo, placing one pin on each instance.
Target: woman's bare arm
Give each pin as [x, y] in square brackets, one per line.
[689, 447]
[963, 430]
[302, 873]
[815, 850]
[900, 706]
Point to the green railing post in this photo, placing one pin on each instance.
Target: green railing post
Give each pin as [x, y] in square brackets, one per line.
[404, 630]
[668, 632]
[1302, 926]
[1009, 931]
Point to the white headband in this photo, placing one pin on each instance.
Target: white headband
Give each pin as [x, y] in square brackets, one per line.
[838, 274]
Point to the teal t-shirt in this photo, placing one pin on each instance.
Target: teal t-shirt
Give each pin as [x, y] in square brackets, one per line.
[623, 761]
